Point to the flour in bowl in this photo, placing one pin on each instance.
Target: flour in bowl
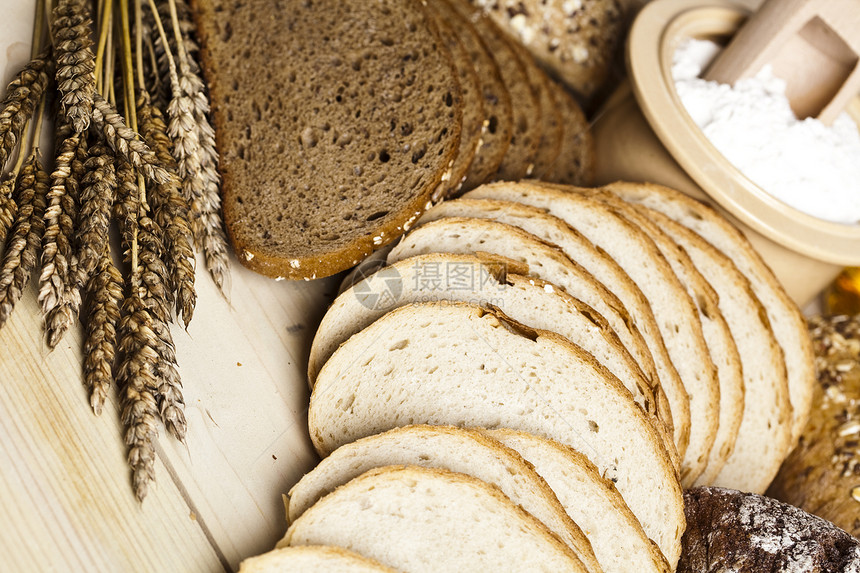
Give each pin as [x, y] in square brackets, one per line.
[810, 166]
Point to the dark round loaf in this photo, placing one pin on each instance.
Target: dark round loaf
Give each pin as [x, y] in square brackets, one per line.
[728, 530]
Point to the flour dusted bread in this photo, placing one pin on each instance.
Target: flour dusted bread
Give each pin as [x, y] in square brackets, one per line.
[312, 559]
[335, 120]
[460, 450]
[728, 530]
[420, 519]
[616, 535]
[465, 366]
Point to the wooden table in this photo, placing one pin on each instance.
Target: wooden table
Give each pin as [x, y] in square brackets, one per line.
[66, 502]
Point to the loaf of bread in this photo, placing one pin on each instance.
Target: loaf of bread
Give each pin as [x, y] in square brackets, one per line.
[820, 474]
[728, 530]
[335, 120]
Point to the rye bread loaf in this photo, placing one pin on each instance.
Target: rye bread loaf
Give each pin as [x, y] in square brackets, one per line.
[728, 530]
[764, 435]
[718, 337]
[358, 122]
[820, 474]
[617, 537]
[575, 162]
[462, 450]
[785, 317]
[575, 41]
[574, 245]
[423, 519]
[466, 366]
[566, 207]
[498, 122]
[518, 162]
[312, 559]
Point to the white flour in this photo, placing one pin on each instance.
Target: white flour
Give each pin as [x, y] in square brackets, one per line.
[810, 166]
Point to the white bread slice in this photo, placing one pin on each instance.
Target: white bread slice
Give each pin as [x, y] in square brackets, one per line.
[427, 520]
[312, 559]
[718, 336]
[676, 315]
[785, 317]
[481, 280]
[764, 436]
[616, 535]
[460, 450]
[576, 247]
[466, 366]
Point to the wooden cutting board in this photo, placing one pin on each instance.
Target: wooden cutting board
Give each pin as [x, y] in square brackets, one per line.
[66, 501]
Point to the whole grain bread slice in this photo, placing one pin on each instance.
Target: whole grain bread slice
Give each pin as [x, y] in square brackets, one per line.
[579, 249]
[519, 159]
[359, 122]
[426, 520]
[461, 450]
[617, 537]
[482, 280]
[677, 318]
[575, 162]
[785, 317]
[466, 366]
[574, 40]
[312, 559]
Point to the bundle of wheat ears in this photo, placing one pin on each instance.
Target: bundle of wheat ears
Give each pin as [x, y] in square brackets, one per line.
[134, 150]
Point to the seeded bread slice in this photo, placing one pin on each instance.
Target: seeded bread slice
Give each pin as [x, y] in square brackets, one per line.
[498, 122]
[764, 435]
[312, 559]
[461, 365]
[424, 519]
[484, 281]
[785, 317]
[677, 318]
[616, 535]
[575, 162]
[606, 270]
[575, 246]
[460, 450]
[519, 159]
[359, 120]
[718, 336]
[575, 40]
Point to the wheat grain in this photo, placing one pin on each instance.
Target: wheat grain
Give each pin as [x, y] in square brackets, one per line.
[76, 80]
[124, 141]
[8, 207]
[104, 295]
[22, 246]
[22, 95]
[98, 194]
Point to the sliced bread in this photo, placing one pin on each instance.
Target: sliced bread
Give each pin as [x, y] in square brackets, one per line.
[460, 450]
[312, 559]
[466, 366]
[616, 535]
[360, 122]
[579, 249]
[423, 519]
[764, 436]
[785, 317]
[575, 162]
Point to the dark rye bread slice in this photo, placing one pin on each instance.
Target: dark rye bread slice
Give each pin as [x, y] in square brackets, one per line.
[519, 159]
[575, 162]
[473, 110]
[335, 121]
[498, 121]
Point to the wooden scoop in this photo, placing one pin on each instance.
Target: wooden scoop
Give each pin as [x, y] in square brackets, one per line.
[813, 45]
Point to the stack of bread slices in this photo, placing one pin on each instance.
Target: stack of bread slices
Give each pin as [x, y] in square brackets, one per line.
[531, 376]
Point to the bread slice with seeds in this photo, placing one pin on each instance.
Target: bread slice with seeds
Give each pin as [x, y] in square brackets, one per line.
[312, 559]
[460, 450]
[424, 519]
[359, 122]
[465, 366]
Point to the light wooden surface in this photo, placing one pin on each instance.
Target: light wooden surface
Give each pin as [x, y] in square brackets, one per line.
[66, 502]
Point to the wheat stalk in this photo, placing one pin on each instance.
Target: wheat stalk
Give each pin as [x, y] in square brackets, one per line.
[76, 62]
[22, 245]
[104, 294]
[97, 198]
[22, 95]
